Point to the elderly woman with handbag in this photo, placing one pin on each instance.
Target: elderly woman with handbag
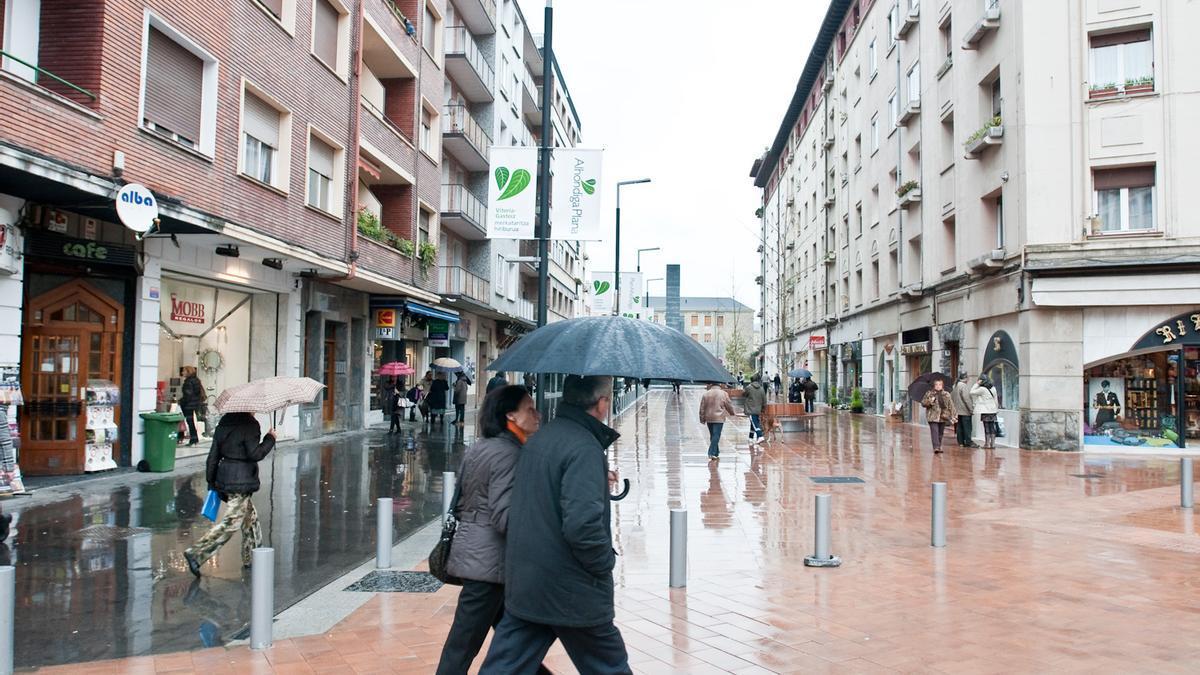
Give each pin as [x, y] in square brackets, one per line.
[939, 411]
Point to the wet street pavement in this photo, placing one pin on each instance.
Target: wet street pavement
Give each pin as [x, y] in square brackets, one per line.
[101, 574]
[1055, 562]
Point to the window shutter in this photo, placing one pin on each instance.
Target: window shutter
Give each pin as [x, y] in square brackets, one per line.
[261, 120]
[1124, 37]
[276, 7]
[174, 86]
[1124, 177]
[320, 157]
[325, 32]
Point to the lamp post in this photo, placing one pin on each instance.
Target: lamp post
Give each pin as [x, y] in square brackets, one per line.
[648, 282]
[543, 194]
[617, 264]
[640, 251]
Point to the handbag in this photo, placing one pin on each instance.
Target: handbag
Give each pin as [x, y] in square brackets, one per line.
[439, 557]
[212, 505]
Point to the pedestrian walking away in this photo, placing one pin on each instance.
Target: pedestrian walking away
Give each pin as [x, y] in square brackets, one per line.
[965, 407]
[191, 401]
[810, 394]
[756, 400]
[939, 411]
[232, 470]
[498, 380]
[715, 408]
[983, 397]
[506, 420]
[795, 391]
[559, 556]
[392, 408]
[778, 384]
[436, 398]
[462, 386]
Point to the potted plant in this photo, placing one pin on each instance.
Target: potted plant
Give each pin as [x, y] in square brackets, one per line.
[909, 192]
[856, 401]
[1105, 90]
[833, 398]
[405, 246]
[907, 187]
[990, 133]
[427, 256]
[1140, 85]
[370, 227]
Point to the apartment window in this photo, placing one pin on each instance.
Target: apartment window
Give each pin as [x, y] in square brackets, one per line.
[893, 25]
[858, 216]
[1124, 198]
[179, 92]
[431, 28]
[708, 319]
[720, 320]
[947, 39]
[873, 57]
[949, 260]
[914, 83]
[858, 288]
[893, 110]
[708, 337]
[893, 271]
[874, 134]
[875, 280]
[263, 138]
[275, 7]
[329, 35]
[696, 337]
[424, 219]
[997, 99]
[999, 220]
[695, 320]
[428, 137]
[323, 173]
[1119, 60]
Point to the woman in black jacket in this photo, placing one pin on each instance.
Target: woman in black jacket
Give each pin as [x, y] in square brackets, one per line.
[436, 398]
[507, 417]
[191, 400]
[232, 470]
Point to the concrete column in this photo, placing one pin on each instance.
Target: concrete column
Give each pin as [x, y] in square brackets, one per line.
[1050, 345]
[146, 336]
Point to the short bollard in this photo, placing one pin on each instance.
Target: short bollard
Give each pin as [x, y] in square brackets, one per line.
[822, 557]
[678, 548]
[937, 537]
[8, 597]
[262, 597]
[383, 533]
[1185, 483]
[447, 491]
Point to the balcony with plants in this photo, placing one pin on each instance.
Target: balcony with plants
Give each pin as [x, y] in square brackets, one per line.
[991, 133]
[1137, 85]
[908, 194]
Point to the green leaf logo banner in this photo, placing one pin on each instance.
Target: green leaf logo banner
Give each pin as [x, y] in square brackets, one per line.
[501, 176]
[519, 181]
[601, 287]
[589, 186]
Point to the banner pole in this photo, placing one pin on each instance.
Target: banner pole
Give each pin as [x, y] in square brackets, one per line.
[543, 195]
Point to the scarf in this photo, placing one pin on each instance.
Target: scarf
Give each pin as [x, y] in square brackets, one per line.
[517, 431]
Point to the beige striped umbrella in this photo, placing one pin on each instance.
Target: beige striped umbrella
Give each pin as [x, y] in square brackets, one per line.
[268, 394]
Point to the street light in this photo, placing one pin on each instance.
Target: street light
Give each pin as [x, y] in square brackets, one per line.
[640, 251]
[648, 282]
[617, 273]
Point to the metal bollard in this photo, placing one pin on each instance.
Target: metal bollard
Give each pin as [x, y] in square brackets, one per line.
[383, 533]
[8, 598]
[678, 548]
[262, 597]
[447, 492]
[937, 537]
[822, 557]
[1185, 483]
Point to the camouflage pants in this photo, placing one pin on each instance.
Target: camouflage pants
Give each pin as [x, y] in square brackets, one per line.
[239, 514]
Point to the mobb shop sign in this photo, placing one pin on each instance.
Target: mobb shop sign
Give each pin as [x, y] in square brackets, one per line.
[577, 191]
[512, 198]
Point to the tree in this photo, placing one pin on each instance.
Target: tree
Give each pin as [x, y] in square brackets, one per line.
[737, 349]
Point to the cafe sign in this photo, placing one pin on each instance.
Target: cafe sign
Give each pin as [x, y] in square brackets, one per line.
[1176, 331]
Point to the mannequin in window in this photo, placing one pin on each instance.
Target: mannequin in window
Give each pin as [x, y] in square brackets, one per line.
[1107, 405]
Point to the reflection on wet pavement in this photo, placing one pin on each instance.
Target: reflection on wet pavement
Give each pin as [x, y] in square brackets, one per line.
[101, 574]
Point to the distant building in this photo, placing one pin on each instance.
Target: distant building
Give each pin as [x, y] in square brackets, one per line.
[673, 317]
[713, 322]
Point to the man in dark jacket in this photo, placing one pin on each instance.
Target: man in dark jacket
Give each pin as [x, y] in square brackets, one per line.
[756, 400]
[498, 380]
[232, 470]
[810, 394]
[191, 401]
[559, 557]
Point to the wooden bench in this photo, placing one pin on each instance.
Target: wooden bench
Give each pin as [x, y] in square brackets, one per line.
[790, 416]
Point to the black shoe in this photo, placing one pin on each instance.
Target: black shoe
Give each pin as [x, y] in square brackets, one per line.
[193, 565]
[193, 442]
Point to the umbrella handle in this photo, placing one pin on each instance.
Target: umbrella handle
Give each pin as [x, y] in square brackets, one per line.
[624, 492]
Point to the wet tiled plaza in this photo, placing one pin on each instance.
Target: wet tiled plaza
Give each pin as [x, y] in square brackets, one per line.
[1054, 563]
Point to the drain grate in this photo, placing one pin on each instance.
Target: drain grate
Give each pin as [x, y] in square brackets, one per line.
[396, 582]
[825, 480]
[1087, 476]
[108, 532]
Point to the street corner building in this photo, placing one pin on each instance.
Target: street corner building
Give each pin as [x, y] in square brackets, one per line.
[292, 151]
[996, 188]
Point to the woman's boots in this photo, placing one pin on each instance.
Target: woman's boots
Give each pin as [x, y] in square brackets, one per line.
[989, 440]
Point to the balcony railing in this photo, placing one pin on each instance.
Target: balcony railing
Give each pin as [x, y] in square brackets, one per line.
[458, 201]
[40, 72]
[458, 281]
[526, 310]
[459, 42]
[457, 121]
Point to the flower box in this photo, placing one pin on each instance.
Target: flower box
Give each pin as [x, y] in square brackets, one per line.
[989, 135]
[913, 196]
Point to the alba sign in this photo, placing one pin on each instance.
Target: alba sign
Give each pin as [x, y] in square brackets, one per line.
[137, 208]
[577, 193]
[512, 198]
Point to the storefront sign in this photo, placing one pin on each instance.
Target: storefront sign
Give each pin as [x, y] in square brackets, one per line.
[577, 187]
[385, 333]
[186, 311]
[136, 207]
[816, 342]
[1180, 330]
[915, 348]
[512, 193]
[48, 245]
[186, 308]
[385, 318]
[438, 332]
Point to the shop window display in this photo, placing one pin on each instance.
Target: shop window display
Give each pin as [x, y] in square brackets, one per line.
[1133, 401]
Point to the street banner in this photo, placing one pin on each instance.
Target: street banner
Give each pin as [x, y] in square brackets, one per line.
[632, 295]
[577, 191]
[512, 195]
[602, 293]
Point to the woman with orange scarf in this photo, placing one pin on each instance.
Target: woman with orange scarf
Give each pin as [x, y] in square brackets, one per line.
[506, 419]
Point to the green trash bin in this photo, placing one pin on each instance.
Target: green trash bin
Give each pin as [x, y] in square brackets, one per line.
[161, 437]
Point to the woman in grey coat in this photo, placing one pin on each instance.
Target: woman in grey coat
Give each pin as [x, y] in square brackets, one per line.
[507, 417]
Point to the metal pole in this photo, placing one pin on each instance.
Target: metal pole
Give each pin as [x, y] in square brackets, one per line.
[937, 537]
[1185, 483]
[821, 557]
[447, 492]
[678, 548]
[262, 597]
[617, 264]
[383, 533]
[8, 599]
[544, 190]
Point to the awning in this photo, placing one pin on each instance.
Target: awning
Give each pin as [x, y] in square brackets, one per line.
[413, 307]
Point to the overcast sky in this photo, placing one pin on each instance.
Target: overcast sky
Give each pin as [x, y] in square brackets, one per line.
[687, 94]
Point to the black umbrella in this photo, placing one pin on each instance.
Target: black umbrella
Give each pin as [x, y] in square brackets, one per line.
[916, 390]
[612, 345]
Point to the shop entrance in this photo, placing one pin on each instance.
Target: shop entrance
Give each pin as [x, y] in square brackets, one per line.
[330, 381]
[72, 336]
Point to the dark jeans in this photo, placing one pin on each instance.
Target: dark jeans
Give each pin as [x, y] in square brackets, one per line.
[395, 422]
[936, 429]
[755, 427]
[519, 647]
[965, 430]
[714, 438]
[189, 414]
[808, 405]
[480, 606]
[460, 412]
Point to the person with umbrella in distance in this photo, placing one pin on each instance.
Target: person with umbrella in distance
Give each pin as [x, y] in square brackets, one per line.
[810, 393]
[436, 398]
[715, 408]
[559, 556]
[939, 411]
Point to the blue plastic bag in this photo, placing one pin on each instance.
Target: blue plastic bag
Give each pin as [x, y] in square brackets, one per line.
[212, 506]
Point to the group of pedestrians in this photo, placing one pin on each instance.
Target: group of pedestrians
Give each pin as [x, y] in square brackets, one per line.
[957, 408]
[534, 541]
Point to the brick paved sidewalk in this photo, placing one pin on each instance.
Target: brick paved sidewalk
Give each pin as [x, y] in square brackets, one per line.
[1045, 571]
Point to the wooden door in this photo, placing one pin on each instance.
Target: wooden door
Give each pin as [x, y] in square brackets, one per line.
[330, 380]
[72, 334]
